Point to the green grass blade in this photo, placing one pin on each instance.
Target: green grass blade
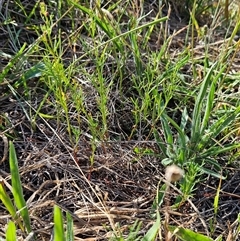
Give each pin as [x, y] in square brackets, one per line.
[216, 198]
[216, 150]
[209, 106]
[17, 188]
[153, 231]
[11, 232]
[223, 123]
[219, 238]
[182, 139]
[10, 65]
[69, 233]
[167, 130]
[196, 118]
[35, 71]
[58, 225]
[102, 23]
[184, 119]
[137, 54]
[188, 235]
[7, 202]
[212, 173]
[182, 136]
[159, 197]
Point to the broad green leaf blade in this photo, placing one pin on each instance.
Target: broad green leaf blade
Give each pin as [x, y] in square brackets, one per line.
[11, 232]
[153, 231]
[69, 233]
[188, 235]
[17, 188]
[58, 225]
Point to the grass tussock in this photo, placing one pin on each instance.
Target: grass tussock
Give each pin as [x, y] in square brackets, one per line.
[98, 98]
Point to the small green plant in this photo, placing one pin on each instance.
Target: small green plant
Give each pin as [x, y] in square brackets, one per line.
[197, 149]
[19, 215]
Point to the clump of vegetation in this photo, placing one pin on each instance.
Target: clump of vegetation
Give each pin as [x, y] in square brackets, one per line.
[98, 98]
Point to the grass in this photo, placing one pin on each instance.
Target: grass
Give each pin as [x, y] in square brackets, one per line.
[98, 99]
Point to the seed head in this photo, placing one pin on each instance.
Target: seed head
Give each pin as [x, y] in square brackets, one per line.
[173, 173]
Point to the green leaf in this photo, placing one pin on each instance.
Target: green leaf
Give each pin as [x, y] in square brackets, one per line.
[9, 66]
[216, 150]
[196, 118]
[102, 23]
[167, 161]
[153, 231]
[188, 235]
[182, 140]
[69, 233]
[223, 123]
[58, 225]
[216, 198]
[212, 173]
[11, 232]
[184, 119]
[7, 202]
[209, 106]
[167, 130]
[17, 188]
[35, 71]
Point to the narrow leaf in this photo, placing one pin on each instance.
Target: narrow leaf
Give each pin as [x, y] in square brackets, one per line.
[188, 235]
[17, 188]
[7, 202]
[216, 198]
[69, 233]
[153, 231]
[58, 225]
[11, 232]
[209, 106]
[196, 118]
[167, 130]
[14, 60]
